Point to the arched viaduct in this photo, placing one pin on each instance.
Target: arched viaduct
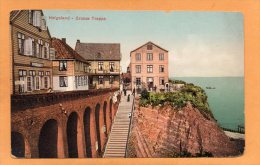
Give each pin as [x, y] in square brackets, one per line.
[62, 125]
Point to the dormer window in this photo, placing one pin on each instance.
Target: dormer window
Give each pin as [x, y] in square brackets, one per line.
[149, 47]
[36, 19]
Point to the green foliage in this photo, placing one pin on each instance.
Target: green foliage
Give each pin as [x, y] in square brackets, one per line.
[144, 94]
[177, 81]
[179, 99]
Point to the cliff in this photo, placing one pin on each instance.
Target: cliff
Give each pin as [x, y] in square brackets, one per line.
[166, 131]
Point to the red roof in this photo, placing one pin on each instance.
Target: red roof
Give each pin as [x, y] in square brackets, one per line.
[64, 51]
[149, 43]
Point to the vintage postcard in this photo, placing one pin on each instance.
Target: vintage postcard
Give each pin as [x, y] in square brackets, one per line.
[95, 84]
[137, 84]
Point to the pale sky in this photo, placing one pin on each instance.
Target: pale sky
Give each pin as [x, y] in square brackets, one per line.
[204, 44]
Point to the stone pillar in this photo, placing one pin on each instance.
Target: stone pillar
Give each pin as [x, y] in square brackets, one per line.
[93, 133]
[80, 138]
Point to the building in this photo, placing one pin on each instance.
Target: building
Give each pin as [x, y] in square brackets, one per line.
[149, 67]
[104, 58]
[69, 68]
[31, 69]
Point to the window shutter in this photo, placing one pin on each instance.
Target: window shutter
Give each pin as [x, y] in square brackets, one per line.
[43, 23]
[37, 49]
[38, 18]
[48, 50]
[43, 52]
[34, 18]
[28, 46]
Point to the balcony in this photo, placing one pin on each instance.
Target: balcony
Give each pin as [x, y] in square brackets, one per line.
[103, 72]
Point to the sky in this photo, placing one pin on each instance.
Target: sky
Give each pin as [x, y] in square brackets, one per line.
[200, 44]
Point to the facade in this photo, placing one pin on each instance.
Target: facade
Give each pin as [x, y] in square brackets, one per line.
[104, 58]
[149, 67]
[30, 52]
[69, 68]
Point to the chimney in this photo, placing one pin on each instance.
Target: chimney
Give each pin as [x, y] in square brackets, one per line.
[63, 40]
[78, 41]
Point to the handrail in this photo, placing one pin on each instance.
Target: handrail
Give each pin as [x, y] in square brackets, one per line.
[130, 124]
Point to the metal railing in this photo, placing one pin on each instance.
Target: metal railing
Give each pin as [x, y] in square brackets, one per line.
[130, 124]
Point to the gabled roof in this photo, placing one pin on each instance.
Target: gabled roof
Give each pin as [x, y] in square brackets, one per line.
[147, 44]
[64, 51]
[13, 14]
[99, 51]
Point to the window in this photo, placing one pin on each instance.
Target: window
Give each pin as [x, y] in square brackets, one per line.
[138, 81]
[161, 68]
[37, 83]
[111, 79]
[111, 66]
[63, 81]
[31, 14]
[149, 47]
[21, 40]
[161, 79]
[149, 56]
[35, 17]
[22, 74]
[40, 73]
[46, 50]
[29, 83]
[100, 66]
[47, 73]
[63, 65]
[32, 73]
[161, 56]
[138, 68]
[85, 78]
[138, 57]
[100, 79]
[46, 82]
[40, 51]
[149, 69]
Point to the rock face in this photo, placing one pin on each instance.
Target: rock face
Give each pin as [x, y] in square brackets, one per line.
[164, 131]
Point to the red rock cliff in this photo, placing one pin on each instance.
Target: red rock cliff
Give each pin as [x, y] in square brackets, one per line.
[164, 131]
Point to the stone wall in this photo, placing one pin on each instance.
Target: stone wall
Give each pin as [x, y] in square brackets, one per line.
[30, 119]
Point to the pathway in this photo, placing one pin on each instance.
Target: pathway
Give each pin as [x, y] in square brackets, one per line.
[117, 141]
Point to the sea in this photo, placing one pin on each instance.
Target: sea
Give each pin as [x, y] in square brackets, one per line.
[226, 101]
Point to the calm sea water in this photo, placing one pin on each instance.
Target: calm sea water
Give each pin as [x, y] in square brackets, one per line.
[226, 101]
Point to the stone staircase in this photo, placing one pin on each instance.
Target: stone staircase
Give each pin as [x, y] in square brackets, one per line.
[117, 141]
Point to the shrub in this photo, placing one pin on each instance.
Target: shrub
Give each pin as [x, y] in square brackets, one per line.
[144, 94]
[189, 93]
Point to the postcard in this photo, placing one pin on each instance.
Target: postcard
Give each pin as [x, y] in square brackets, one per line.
[117, 85]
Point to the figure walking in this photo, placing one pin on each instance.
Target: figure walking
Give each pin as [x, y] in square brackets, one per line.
[133, 93]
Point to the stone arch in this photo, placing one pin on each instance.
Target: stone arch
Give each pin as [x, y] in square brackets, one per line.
[88, 132]
[48, 140]
[74, 135]
[19, 145]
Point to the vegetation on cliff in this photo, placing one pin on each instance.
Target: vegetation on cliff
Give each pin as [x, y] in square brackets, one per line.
[179, 99]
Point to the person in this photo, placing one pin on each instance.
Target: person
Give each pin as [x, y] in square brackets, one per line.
[124, 91]
[133, 92]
